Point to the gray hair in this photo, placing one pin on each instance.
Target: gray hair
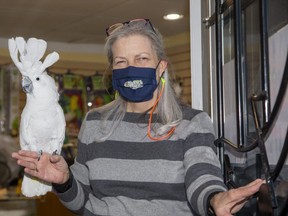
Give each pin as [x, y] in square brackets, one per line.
[168, 109]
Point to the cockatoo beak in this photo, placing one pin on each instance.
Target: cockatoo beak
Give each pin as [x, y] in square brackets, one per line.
[27, 85]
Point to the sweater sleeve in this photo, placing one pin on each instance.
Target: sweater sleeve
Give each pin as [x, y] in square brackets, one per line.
[77, 195]
[203, 175]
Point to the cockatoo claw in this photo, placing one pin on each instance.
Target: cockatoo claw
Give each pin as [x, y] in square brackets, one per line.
[40, 153]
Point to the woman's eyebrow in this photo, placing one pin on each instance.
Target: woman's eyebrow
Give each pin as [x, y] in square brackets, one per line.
[143, 53]
[118, 57]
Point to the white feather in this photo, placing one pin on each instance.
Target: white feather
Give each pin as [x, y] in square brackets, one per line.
[42, 126]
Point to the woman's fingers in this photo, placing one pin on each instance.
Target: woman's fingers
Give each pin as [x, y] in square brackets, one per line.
[33, 172]
[26, 164]
[30, 154]
[24, 155]
[244, 192]
[24, 161]
[251, 188]
[30, 161]
[255, 182]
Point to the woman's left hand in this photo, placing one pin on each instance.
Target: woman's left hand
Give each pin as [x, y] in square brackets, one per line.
[229, 202]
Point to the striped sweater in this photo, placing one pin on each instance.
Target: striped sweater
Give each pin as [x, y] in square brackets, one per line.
[129, 174]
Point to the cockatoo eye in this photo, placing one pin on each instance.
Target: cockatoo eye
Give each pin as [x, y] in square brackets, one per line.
[37, 78]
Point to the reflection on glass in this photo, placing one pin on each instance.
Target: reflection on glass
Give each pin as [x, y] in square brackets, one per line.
[253, 64]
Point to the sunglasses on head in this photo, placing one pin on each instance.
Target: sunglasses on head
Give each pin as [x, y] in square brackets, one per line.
[145, 22]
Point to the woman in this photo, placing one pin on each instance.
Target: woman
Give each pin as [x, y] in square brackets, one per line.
[144, 153]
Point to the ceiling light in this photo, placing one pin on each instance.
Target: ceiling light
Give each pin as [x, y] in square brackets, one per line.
[173, 16]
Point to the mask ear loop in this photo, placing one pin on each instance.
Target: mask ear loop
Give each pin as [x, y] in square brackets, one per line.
[116, 94]
[169, 133]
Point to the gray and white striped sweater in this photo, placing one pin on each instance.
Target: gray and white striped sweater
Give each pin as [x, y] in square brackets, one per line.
[129, 174]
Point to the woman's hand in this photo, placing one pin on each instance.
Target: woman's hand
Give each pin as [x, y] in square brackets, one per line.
[50, 168]
[229, 202]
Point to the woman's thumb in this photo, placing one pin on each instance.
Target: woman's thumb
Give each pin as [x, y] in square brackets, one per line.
[55, 158]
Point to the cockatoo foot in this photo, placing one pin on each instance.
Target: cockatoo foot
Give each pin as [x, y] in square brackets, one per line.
[39, 154]
[55, 152]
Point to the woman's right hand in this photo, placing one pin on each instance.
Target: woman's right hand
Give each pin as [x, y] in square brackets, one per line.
[50, 168]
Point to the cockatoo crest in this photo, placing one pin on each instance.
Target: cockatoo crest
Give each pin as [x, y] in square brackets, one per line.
[28, 61]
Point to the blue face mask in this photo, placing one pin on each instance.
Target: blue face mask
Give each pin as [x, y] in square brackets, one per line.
[135, 84]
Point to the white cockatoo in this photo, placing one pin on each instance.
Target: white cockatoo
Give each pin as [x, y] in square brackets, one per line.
[42, 126]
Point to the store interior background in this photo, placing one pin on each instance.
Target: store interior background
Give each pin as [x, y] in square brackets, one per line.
[76, 30]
